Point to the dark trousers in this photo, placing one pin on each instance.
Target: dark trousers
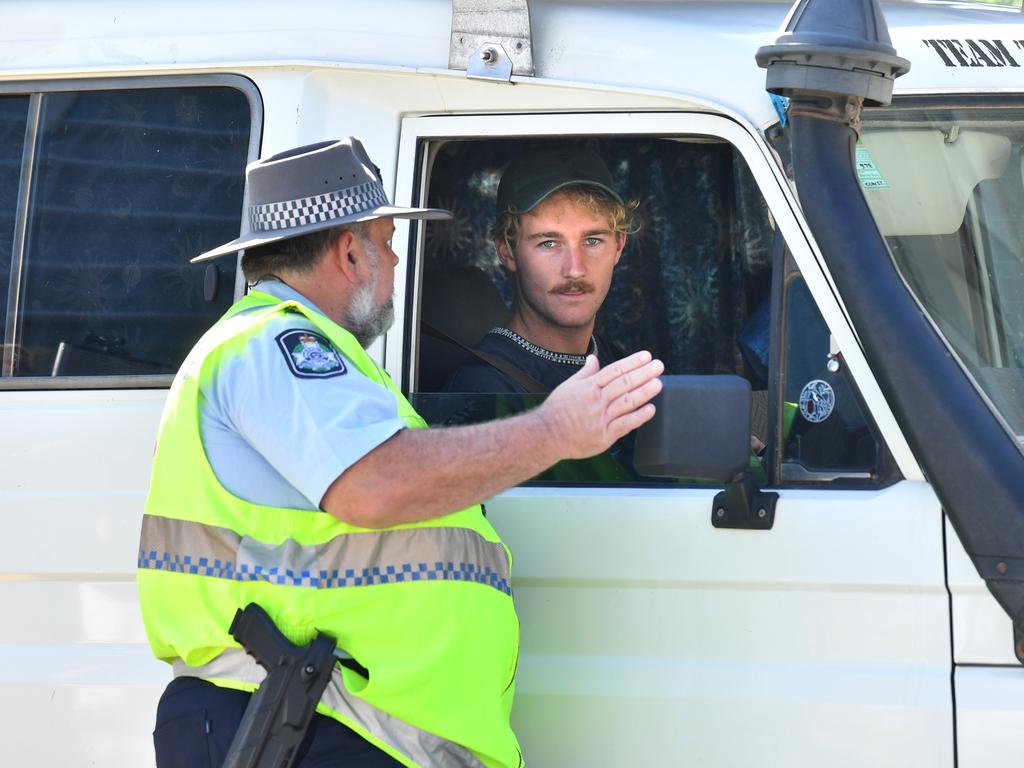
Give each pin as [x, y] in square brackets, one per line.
[196, 720]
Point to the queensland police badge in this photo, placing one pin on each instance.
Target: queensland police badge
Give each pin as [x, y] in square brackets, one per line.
[310, 355]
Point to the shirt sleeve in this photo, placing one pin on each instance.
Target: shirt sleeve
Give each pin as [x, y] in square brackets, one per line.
[310, 418]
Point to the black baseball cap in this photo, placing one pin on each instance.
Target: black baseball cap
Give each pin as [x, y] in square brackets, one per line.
[536, 173]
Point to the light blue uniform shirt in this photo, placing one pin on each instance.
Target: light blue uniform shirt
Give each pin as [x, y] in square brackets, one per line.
[278, 439]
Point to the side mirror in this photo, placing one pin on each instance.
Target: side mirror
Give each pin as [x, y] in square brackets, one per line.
[700, 432]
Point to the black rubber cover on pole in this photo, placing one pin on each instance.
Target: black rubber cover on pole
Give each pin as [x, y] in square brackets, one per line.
[833, 46]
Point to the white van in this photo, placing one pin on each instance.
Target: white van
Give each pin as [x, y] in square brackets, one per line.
[847, 626]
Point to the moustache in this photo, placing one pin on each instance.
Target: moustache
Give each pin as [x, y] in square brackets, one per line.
[573, 286]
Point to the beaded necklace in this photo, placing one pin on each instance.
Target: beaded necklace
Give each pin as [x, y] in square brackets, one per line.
[555, 357]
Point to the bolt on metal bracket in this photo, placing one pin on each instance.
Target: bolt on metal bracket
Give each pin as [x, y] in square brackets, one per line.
[490, 37]
[490, 62]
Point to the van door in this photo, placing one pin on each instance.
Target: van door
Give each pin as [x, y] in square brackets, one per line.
[649, 636]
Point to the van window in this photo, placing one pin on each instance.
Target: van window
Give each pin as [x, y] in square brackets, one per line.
[947, 199]
[683, 288]
[121, 188]
[826, 434]
[13, 115]
[694, 286]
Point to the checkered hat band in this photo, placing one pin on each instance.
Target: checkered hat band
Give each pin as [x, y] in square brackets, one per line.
[271, 217]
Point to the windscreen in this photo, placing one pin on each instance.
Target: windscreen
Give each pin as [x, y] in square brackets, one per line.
[944, 182]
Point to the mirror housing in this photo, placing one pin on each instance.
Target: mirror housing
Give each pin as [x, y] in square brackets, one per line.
[701, 430]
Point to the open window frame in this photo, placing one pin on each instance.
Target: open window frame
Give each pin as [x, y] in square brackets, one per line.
[423, 136]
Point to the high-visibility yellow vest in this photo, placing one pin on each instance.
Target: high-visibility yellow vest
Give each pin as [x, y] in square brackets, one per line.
[425, 607]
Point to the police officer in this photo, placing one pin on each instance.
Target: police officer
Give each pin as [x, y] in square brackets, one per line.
[291, 472]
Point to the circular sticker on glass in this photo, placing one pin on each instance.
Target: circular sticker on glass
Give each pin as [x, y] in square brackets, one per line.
[817, 400]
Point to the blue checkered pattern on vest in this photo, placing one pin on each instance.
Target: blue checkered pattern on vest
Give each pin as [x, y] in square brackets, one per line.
[324, 579]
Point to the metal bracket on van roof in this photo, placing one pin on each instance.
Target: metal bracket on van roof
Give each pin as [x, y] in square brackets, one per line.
[491, 39]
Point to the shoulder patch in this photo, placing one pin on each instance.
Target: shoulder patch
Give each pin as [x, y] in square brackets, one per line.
[310, 355]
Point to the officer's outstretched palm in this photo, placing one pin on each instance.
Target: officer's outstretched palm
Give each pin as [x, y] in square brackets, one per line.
[596, 406]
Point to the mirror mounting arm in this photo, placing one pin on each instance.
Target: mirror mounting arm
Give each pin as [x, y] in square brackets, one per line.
[743, 505]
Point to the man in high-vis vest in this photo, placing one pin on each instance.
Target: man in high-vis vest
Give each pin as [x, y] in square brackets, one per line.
[291, 472]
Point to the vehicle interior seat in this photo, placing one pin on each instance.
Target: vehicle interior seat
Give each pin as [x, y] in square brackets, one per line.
[463, 303]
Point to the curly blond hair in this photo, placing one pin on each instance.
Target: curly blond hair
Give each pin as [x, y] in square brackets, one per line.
[622, 218]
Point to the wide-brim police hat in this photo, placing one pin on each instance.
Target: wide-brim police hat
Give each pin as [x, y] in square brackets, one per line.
[318, 186]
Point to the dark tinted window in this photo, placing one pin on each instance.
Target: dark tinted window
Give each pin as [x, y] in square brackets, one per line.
[826, 434]
[127, 186]
[13, 113]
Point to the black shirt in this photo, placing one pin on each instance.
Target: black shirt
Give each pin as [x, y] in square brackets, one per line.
[501, 395]
[547, 367]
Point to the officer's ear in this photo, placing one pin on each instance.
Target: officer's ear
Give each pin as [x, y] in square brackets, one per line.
[348, 257]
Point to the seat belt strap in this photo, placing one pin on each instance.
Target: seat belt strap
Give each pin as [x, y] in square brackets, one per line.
[524, 380]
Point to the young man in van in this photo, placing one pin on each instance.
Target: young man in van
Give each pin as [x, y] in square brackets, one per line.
[560, 229]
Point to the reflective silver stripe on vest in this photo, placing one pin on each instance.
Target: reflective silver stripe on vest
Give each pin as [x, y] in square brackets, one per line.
[348, 560]
[423, 748]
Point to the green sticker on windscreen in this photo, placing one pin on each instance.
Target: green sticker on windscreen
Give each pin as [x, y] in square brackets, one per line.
[868, 173]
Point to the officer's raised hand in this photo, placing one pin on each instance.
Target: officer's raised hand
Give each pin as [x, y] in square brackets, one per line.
[423, 473]
[596, 406]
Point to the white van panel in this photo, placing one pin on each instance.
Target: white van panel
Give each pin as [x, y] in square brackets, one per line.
[45, 433]
[100, 699]
[989, 719]
[651, 638]
[982, 632]
[72, 646]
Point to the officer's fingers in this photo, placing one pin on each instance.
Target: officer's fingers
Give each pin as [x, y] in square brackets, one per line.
[574, 393]
[590, 367]
[633, 379]
[612, 371]
[633, 399]
[626, 423]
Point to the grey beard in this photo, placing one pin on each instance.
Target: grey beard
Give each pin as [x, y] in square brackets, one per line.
[365, 319]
